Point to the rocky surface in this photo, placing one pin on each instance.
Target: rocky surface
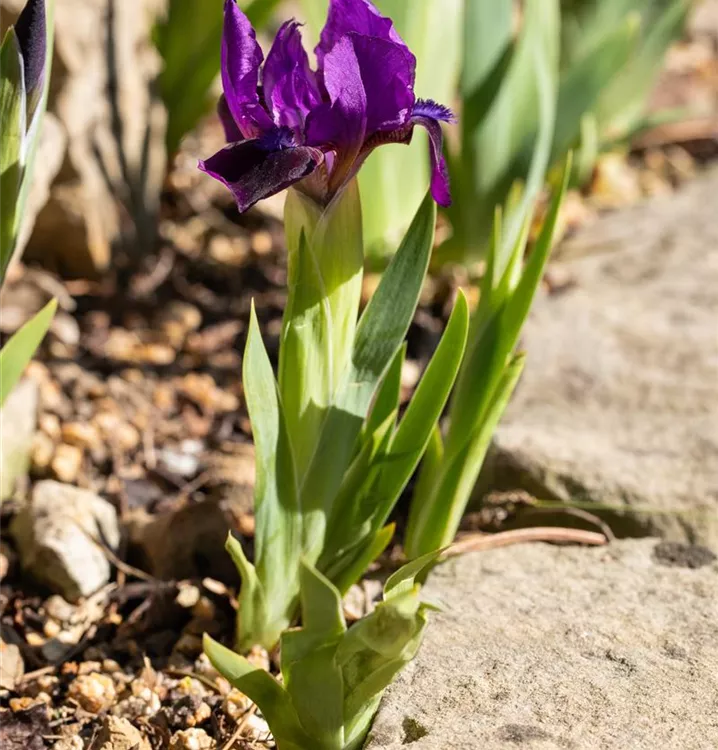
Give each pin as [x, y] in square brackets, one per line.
[564, 648]
[55, 533]
[18, 419]
[619, 401]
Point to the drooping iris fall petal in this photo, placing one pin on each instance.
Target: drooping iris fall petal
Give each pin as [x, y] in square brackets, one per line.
[429, 114]
[253, 171]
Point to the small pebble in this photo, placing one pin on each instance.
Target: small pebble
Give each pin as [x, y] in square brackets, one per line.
[12, 666]
[353, 603]
[261, 242]
[191, 739]
[51, 628]
[188, 596]
[25, 702]
[59, 609]
[134, 707]
[43, 449]
[231, 251]
[164, 397]
[88, 667]
[155, 354]
[190, 686]
[181, 464]
[256, 728]
[7, 560]
[35, 640]
[236, 704]
[258, 657]
[50, 425]
[67, 462]
[73, 742]
[119, 734]
[216, 587]
[203, 391]
[82, 434]
[94, 692]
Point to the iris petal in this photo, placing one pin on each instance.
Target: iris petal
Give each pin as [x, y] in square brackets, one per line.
[241, 59]
[290, 86]
[359, 17]
[341, 125]
[387, 72]
[232, 133]
[252, 172]
[440, 191]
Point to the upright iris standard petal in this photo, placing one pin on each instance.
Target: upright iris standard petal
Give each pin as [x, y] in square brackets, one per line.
[341, 124]
[290, 86]
[252, 171]
[241, 60]
[387, 71]
[355, 17]
[429, 114]
[31, 33]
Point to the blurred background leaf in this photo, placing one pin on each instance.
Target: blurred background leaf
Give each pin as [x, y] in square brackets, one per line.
[188, 40]
[505, 118]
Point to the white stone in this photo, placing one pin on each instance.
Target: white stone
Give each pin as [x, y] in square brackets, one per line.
[55, 533]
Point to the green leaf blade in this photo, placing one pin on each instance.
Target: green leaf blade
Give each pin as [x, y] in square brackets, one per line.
[379, 336]
[279, 521]
[437, 520]
[19, 350]
[272, 699]
[12, 143]
[423, 413]
[311, 674]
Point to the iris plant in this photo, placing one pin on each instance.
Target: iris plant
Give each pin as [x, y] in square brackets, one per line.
[332, 454]
[24, 77]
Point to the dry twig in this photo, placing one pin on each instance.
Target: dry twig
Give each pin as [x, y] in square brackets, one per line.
[480, 542]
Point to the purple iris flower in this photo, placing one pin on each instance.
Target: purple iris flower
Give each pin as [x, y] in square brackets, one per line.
[314, 129]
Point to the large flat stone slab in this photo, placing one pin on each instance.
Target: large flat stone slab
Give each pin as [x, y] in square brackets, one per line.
[618, 404]
[556, 648]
